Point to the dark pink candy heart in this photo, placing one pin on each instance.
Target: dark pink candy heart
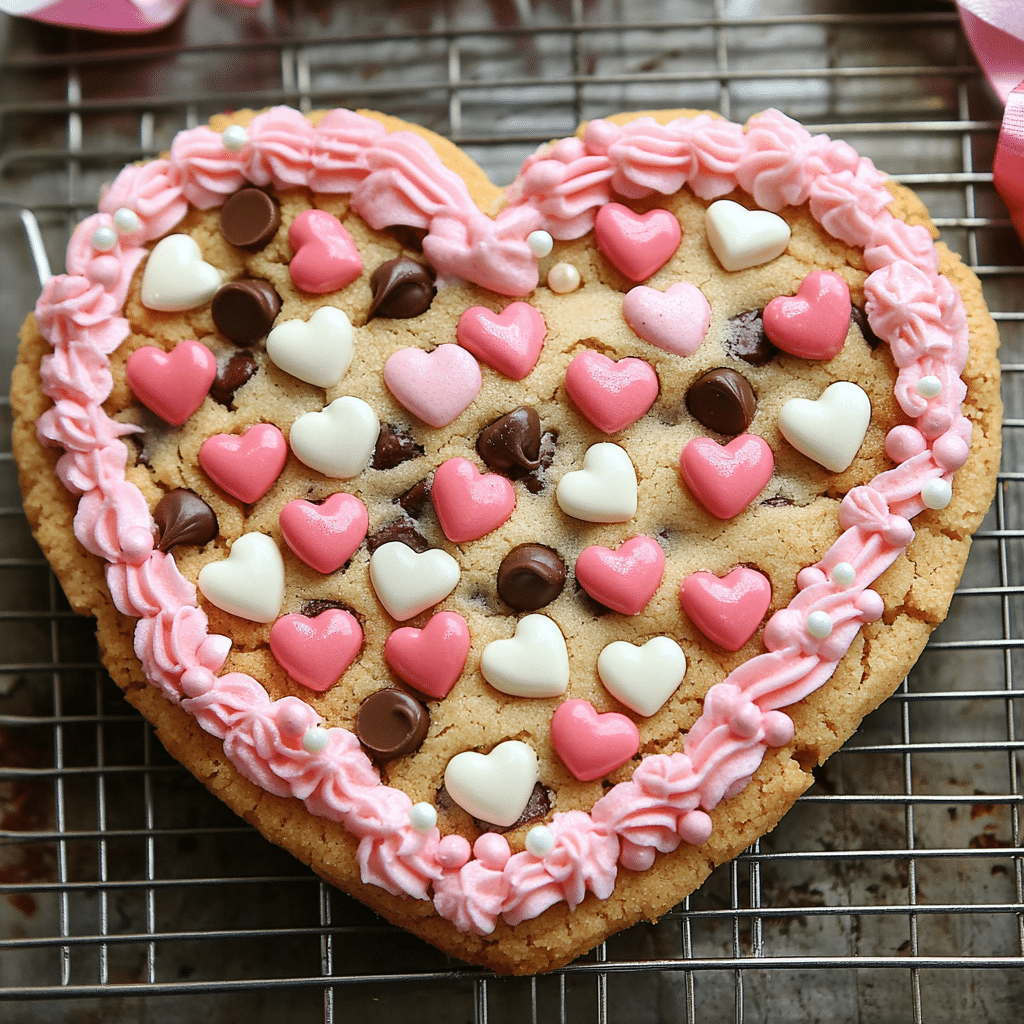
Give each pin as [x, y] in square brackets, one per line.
[624, 580]
[612, 395]
[637, 244]
[725, 479]
[509, 341]
[245, 465]
[813, 323]
[470, 504]
[326, 258]
[173, 384]
[325, 536]
[729, 609]
[592, 745]
[432, 658]
[316, 652]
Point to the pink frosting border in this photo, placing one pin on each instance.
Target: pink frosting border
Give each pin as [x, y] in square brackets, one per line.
[396, 178]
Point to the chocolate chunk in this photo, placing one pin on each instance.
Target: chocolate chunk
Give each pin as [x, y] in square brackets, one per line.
[402, 289]
[394, 447]
[184, 518]
[745, 339]
[244, 311]
[415, 499]
[722, 400]
[317, 606]
[401, 530]
[860, 320]
[390, 723]
[530, 576]
[235, 373]
[512, 442]
[249, 219]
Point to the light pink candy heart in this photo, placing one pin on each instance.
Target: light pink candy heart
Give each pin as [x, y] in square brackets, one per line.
[316, 652]
[432, 658]
[470, 504]
[173, 384]
[725, 479]
[592, 745]
[676, 319]
[611, 394]
[325, 536]
[625, 579]
[436, 386]
[245, 465]
[509, 341]
[813, 323]
[326, 258]
[637, 244]
[729, 609]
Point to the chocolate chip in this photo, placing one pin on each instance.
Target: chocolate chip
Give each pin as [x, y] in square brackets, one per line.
[235, 373]
[860, 320]
[184, 518]
[537, 808]
[722, 400]
[530, 576]
[249, 219]
[592, 606]
[415, 499]
[244, 311]
[402, 289]
[745, 338]
[535, 481]
[408, 237]
[317, 606]
[777, 501]
[401, 530]
[512, 442]
[390, 723]
[394, 447]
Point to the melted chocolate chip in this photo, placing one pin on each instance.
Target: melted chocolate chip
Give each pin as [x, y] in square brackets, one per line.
[184, 518]
[390, 723]
[745, 338]
[402, 289]
[401, 530]
[244, 311]
[394, 447]
[317, 606]
[860, 321]
[249, 219]
[537, 808]
[593, 607]
[407, 236]
[415, 499]
[530, 576]
[231, 377]
[512, 442]
[535, 481]
[722, 400]
[777, 501]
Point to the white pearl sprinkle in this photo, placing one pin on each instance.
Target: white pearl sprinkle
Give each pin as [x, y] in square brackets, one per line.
[819, 625]
[422, 816]
[844, 574]
[104, 239]
[234, 137]
[540, 243]
[937, 493]
[126, 221]
[315, 739]
[563, 278]
[929, 387]
[540, 840]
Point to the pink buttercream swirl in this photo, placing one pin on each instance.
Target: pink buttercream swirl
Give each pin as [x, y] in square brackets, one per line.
[397, 179]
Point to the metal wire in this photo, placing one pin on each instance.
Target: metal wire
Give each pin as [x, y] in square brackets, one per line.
[895, 888]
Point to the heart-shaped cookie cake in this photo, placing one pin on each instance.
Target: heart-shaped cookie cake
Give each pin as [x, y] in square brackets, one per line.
[509, 556]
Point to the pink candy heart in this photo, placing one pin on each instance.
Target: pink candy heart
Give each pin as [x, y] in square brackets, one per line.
[436, 386]
[173, 384]
[612, 395]
[813, 323]
[592, 745]
[470, 504]
[325, 536]
[509, 341]
[430, 659]
[326, 258]
[637, 244]
[316, 652]
[245, 466]
[729, 609]
[676, 319]
[725, 479]
[624, 580]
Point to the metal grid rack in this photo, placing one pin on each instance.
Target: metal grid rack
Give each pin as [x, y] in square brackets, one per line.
[894, 890]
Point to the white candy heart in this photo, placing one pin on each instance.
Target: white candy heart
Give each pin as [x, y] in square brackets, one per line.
[604, 490]
[248, 583]
[494, 787]
[642, 678]
[339, 440]
[177, 277]
[744, 238]
[408, 582]
[318, 350]
[533, 663]
[831, 429]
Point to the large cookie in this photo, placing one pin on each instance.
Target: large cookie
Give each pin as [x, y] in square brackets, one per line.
[544, 541]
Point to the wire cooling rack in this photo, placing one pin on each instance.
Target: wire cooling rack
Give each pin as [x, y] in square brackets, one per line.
[893, 890]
